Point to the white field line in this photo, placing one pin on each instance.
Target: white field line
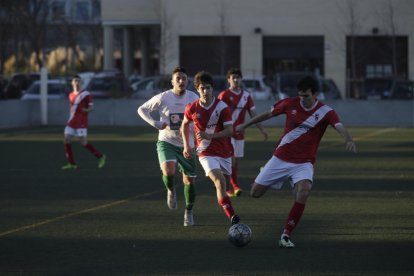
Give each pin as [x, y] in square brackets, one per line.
[80, 212]
[375, 133]
[363, 137]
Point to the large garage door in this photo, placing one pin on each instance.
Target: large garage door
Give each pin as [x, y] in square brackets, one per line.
[214, 54]
[292, 53]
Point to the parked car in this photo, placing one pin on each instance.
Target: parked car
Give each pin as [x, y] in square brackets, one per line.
[150, 86]
[382, 88]
[56, 89]
[220, 84]
[134, 78]
[257, 88]
[328, 90]
[18, 83]
[86, 78]
[109, 84]
[286, 85]
[401, 89]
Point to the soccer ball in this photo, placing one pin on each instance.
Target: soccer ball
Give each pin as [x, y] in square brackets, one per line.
[240, 234]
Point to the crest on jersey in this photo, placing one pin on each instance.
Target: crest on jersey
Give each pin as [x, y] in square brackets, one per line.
[294, 112]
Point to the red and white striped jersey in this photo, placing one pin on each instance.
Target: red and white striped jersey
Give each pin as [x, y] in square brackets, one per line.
[79, 101]
[239, 104]
[211, 119]
[304, 129]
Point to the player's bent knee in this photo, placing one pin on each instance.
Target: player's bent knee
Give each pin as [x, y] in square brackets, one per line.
[302, 195]
[257, 190]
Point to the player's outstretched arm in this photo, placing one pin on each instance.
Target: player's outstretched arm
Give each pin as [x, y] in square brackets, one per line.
[256, 119]
[349, 142]
[259, 126]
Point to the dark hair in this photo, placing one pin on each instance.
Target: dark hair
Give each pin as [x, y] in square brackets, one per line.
[308, 82]
[203, 77]
[76, 77]
[234, 71]
[179, 69]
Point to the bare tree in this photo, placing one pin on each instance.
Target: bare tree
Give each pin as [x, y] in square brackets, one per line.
[391, 26]
[7, 20]
[166, 39]
[96, 34]
[223, 32]
[33, 16]
[351, 27]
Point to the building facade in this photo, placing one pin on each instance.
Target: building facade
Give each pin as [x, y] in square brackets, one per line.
[346, 40]
[58, 33]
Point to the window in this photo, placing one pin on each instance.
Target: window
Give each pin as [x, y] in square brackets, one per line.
[372, 56]
[218, 53]
[96, 10]
[378, 70]
[82, 11]
[58, 10]
[293, 53]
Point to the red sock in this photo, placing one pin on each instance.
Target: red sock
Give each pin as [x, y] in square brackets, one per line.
[233, 179]
[69, 153]
[294, 217]
[225, 203]
[92, 149]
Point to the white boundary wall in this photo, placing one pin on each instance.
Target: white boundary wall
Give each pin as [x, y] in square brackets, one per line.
[354, 113]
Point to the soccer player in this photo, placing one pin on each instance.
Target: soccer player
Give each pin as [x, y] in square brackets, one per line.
[77, 126]
[170, 106]
[239, 102]
[213, 128]
[293, 159]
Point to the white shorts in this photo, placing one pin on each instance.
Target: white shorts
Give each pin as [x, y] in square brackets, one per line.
[78, 132]
[276, 171]
[210, 163]
[238, 147]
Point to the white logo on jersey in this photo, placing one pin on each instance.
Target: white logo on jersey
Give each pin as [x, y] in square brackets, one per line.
[304, 127]
[211, 125]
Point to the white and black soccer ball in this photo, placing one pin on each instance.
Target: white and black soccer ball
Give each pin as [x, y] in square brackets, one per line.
[240, 234]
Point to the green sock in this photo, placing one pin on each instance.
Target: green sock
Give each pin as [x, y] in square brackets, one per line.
[168, 181]
[189, 195]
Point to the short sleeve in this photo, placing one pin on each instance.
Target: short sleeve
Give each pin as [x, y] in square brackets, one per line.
[279, 108]
[187, 112]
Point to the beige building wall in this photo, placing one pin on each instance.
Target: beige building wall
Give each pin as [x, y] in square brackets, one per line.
[327, 18]
[130, 12]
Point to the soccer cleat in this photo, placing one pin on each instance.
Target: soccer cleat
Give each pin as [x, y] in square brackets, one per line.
[230, 194]
[102, 161]
[286, 242]
[235, 219]
[172, 199]
[188, 218]
[238, 192]
[69, 166]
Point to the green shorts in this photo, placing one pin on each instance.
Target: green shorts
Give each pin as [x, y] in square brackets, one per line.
[168, 152]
